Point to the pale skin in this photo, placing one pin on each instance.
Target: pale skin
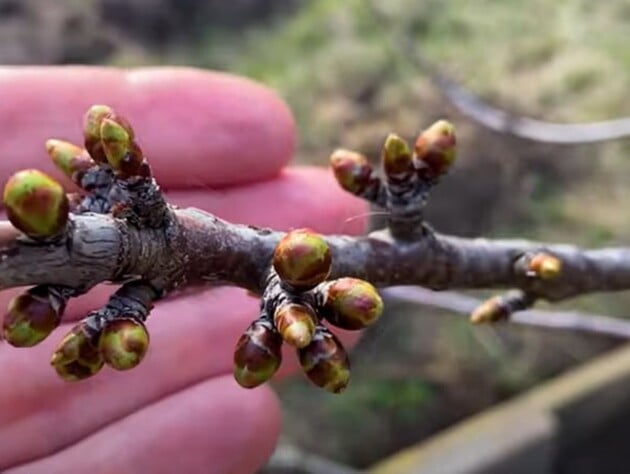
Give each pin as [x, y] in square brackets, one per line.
[216, 142]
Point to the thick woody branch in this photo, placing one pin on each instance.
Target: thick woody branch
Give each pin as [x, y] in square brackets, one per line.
[201, 248]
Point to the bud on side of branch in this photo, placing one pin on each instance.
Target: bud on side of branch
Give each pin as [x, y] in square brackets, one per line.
[295, 323]
[77, 357]
[302, 259]
[435, 149]
[123, 343]
[36, 204]
[325, 361]
[258, 354]
[544, 266]
[352, 170]
[352, 303]
[31, 317]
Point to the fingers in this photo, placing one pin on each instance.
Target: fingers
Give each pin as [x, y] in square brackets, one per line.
[197, 128]
[299, 197]
[212, 427]
[191, 340]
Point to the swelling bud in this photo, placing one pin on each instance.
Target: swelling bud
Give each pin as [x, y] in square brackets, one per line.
[257, 355]
[352, 303]
[325, 361]
[36, 204]
[302, 259]
[123, 343]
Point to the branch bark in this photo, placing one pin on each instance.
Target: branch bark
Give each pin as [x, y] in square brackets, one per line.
[203, 249]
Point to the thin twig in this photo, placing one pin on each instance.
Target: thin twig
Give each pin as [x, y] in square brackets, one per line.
[569, 320]
[494, 118]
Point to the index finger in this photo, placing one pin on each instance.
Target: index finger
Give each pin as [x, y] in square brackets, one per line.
[197, 128]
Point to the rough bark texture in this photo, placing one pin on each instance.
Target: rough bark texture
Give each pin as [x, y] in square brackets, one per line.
[199, 248]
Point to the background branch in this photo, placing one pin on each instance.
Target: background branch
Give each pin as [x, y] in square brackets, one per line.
[488, 115]
[462, 304]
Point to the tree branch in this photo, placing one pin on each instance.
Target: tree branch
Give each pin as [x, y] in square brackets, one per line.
[568, 320]
[124, 232]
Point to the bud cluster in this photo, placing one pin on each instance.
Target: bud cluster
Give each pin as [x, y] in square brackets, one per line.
[409, 173]
[296, 304]
[121, 343]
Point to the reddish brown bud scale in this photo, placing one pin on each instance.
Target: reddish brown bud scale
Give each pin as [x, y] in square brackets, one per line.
[77, 357]
[352, 170]
[325, 361]
[31, 317]
[72, 160]
[302, 259]
[435, 149]
[396, 156]
[123, 343]
[352, 304]
[36, 204]
[258, 354]
[295, 323]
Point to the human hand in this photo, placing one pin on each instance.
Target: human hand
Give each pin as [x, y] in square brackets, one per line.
[215, 142]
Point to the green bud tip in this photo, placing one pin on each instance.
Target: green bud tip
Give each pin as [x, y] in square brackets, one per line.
[123, 343]
[69, 158]
[396, 155]
[77, 357]
[295, 323]
[436, 148]
[302, 259]
[258, 354]
[325, 361]
[116, 142]
[352, 170]
[31, 317]
[36, 204]
[352, 304]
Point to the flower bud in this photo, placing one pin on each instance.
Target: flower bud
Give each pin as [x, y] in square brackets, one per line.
[544, 266]
[302, 259]
[77, 357]
[123, 343]
[435, 149]
[396, 156]
[325, 361]
[69, 158]
[352, 171]
[36, 204]
[295, 323]
[258, 354]
[352, 303]
[31, 317]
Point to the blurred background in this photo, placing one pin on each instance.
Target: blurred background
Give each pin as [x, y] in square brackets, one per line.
[346, 74]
